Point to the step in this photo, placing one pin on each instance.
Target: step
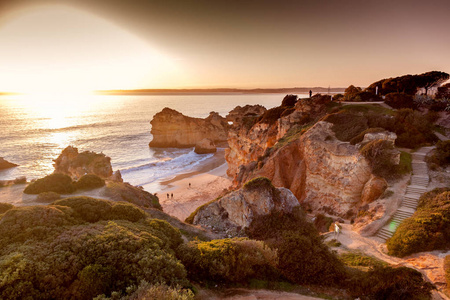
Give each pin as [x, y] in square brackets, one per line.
[412, 196]
[413, 206]
[416, 187]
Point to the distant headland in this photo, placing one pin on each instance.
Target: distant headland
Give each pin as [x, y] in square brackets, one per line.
[221, 91]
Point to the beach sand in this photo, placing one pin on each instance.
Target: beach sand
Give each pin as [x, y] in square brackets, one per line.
[205, 186]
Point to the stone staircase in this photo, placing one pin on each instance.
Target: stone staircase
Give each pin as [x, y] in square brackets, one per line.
[418, 185]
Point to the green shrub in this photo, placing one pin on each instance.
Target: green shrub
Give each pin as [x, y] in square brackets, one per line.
[412, 128]
[323, 223]
[360, 137]
[259, 182]
[122, 191]
[49, 252]
[428, 229]
[228, 260]
[391, 284]
[89, 182]
[56, 182]
[356, 259]
[4, 207]
[93, 210]
[400, 100]
[303, 257]
[346, 125]
[48, 197]
[379, 154]
[147, 291]
[441, 155]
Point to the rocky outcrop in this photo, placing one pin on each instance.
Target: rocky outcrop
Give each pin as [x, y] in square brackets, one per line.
[4, 164]
[384, 135]
[76, 164]
[205, 146]
[171, 128]
[258, 130]
[323, 173]
[234, 212]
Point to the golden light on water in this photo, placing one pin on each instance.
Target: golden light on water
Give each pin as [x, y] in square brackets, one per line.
[53, 49]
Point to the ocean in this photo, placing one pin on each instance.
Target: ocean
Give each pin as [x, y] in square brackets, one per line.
[34, 131]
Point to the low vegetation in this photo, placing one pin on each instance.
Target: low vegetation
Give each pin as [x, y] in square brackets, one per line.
[440, 157]
[4, 207]
[122, 191]
[428, 229]
[56, 182]
[89, 182]
[382, 159]
[82, 247]
[48, 197]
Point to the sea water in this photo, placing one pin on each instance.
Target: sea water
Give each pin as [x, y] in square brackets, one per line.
[34, 131]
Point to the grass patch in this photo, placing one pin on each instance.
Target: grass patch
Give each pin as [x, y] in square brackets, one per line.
[293, 134]
[357, 259]
[366, 108]
[333, 243]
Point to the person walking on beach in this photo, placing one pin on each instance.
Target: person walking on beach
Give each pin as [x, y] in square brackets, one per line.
[310, 93]
[189, 185]
[167, 195]
[171, 195]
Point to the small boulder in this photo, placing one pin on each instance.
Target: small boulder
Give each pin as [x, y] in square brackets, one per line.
[4, 164]
[373, 189]
[205, 146]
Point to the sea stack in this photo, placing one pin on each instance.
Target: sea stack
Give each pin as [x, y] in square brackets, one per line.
[171, 128]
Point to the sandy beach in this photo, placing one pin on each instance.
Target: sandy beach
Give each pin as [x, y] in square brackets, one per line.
[204, 188]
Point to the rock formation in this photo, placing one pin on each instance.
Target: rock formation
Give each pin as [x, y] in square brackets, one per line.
[4, 164]
[234, 212]
[323, 173]
[254, 129]
[205, 146]
[171, 128]
[76, 164]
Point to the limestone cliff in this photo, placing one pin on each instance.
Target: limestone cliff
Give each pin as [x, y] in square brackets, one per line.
[171, 128]
[254, 129]
[324, 173]
[76, 164]
[234, 212]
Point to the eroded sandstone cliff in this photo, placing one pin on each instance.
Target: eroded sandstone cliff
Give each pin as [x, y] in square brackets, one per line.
[324, 173]
[76, 164]
[234, 212]
[171, 128]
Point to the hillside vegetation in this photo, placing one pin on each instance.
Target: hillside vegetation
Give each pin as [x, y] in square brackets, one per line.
[428, 229]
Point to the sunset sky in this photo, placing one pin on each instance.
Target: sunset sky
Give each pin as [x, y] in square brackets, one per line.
[109, 44]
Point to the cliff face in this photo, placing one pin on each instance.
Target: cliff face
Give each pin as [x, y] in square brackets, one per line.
[254, 129]
[234, 212]
[171, 128]
[324, 173]
[76, 164]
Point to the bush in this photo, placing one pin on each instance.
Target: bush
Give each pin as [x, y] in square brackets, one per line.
[89, 182]
[58, 183]
[346, 125]
[400, 100]
[93, 210]
[323, 223]
[4, 207]
[48, 197]
[122, 191]
[441, 155]
[229, 260]
[49, 252]
[428, 229]
[149, 291]
[303, 257]
[379, 154]
[289, 100]
[412, 128]
[391, 284]
[272, 115]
